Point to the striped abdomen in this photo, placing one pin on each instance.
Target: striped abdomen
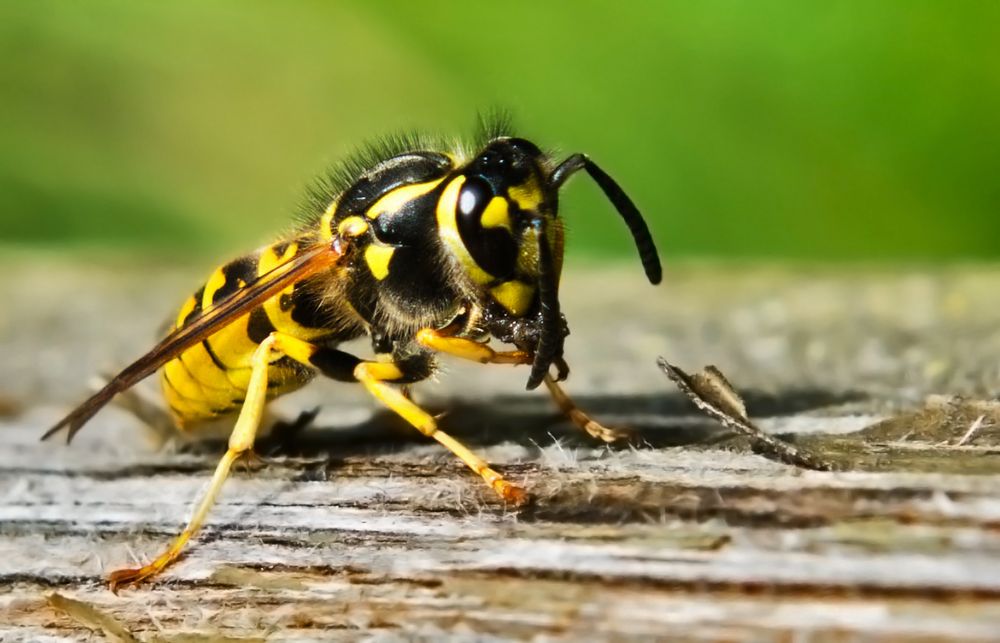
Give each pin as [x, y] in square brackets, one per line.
[210, 379]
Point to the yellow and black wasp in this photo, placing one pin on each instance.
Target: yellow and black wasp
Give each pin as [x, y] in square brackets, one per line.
[425, 252]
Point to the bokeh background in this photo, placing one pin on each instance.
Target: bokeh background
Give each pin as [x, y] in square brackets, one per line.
[838, 130]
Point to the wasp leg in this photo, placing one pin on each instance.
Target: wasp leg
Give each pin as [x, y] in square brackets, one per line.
[591, 426]
[240, 442]
[375, 375]
[469, 349]
[285, 432]
[480, 352]
[344, 367]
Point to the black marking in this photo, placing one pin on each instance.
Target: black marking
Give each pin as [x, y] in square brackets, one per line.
[506, 162]
[280, 248]
[375, 170]
[213, 356]
[382, 342]
[417, 283]
[286, 371]
[307, 308]
[335, 364]
[397, 172]
[259, 325]
[285, 302]
[525, 146]
[198, 296]
[411, 225]
[415, 367]
[361, 293]
[237, 274]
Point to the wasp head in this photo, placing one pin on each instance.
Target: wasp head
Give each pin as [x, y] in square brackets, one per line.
[499, 218]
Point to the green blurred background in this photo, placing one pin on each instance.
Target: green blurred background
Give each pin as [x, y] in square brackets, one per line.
[838, 130]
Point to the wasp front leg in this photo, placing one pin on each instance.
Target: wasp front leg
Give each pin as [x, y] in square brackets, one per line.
[482, 353]
[592, 427]
[469, 349]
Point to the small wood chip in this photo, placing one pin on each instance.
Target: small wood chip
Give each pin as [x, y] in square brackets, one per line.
[713, 394]
[92, 618]
[970, 435]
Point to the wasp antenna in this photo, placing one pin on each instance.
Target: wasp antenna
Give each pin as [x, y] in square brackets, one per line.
[633, 218]
[550, 341]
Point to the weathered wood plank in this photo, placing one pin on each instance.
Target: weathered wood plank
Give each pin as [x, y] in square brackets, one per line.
[361, 528]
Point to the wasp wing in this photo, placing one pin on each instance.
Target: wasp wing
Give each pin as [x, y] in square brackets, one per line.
[241, 302]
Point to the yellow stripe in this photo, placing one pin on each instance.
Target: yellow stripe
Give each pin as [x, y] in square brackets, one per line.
[233, 346]
[282, 319]
[216, 281]
[182, 382]
[352, 227]
[378, 258]
[269, 259]
[399, 197]
[448, 229]
[204, 371]
[183, 409]
[326, 221]
[187, 399]
[186, 309]
[496, 214]
[514, 295]
[302, 352]
[528, 196]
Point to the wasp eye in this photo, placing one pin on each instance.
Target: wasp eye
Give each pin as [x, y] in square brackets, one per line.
[488, 239]
[476, 193]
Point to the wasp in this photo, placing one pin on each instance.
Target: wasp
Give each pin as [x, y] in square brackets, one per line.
[425, 252]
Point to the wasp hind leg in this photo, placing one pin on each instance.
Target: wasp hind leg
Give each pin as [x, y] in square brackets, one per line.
[240, 443]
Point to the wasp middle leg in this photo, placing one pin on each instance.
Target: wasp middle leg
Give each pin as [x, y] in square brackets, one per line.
[381, 380]
[378, 378]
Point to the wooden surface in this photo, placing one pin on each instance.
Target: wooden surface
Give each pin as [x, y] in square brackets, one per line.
[360, 529]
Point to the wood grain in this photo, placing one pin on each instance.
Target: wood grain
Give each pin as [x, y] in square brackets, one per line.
[361, 529]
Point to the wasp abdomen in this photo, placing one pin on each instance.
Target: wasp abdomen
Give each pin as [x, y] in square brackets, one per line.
[210, 379]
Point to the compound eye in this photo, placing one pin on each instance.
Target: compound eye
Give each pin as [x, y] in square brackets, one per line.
[474, 197]
[489, 243]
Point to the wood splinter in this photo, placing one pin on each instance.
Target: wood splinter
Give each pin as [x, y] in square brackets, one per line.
[712, 393]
